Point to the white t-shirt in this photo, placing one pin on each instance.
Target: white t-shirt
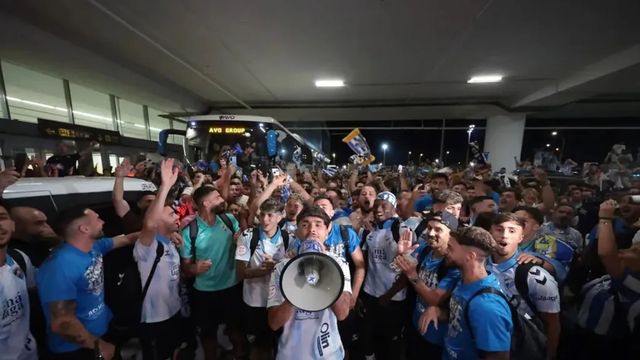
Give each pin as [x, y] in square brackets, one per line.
[163, 297]
[16, 342]
[255, 290]
[308, 335]
[381, 249]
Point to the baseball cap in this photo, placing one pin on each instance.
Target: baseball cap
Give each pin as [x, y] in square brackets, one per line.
[445, 218]
[388, 196]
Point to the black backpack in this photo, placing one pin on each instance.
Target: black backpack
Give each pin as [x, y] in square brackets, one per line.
[124, 293]
[255, 238]
[344, 234]
[529, 340]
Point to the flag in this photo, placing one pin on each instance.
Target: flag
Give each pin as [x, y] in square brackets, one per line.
[359, 145]
[478, 156]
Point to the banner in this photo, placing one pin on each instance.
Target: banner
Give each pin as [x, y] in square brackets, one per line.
[359, 145]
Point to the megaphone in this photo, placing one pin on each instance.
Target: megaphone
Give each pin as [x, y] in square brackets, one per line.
[312, 281]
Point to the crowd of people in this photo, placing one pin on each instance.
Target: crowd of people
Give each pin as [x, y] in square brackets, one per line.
[439, 264]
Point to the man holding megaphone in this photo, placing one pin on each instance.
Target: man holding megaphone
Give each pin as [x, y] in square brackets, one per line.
[309, 294]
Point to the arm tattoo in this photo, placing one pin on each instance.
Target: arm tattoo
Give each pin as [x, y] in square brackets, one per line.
[65, 323]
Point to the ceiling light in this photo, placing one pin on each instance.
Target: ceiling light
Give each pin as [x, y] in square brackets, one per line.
[330, 83]
[482, 79]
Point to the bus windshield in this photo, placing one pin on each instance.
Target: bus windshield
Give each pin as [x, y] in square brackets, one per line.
[243, 141]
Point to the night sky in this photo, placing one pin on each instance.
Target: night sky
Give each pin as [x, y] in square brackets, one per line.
[579, 144]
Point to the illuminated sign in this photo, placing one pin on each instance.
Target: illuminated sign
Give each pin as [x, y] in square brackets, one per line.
[227, 130]
[60, 130]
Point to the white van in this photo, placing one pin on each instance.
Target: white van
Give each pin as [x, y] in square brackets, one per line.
[54, 194]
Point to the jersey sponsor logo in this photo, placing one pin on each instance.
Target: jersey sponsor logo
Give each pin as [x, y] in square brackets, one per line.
[323, 339]
[546, 298]
[379, 255]
[93, 313]
[12, 309]
[338, 251]
[94, 275]
[538, 276]
[272, 291]
[174, 272]
[242, 250]
[455, 321]
[307, 315]
[430, 278]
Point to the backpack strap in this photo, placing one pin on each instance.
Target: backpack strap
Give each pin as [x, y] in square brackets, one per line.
[423, 254]
[159, 252]
[443, 269]
[344, 234]
[285, 239]
[422, 226]
[364, 235]
[282, 222]
[395, 229]
[255, 238]
[193, 234]
[520, 280]
[486, 290]
[227, 222]
[18, 257]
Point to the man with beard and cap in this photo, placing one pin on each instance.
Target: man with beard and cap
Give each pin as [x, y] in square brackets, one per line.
[560, 227]
[16, 341]
[433, 278]
[309, 335]
[217, 294]
[71, 287]
[536, 290]
[362, 216]
[383, 298]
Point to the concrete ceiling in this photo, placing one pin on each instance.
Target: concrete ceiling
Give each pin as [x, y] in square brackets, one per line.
[401, 59]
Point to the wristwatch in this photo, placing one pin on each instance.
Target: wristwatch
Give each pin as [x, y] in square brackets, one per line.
[414, 280]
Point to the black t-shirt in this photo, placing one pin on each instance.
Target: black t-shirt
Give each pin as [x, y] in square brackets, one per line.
[132, 222]
[37, 249]
[66, 164]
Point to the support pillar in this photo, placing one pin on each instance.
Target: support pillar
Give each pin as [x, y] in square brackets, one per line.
[503, 140]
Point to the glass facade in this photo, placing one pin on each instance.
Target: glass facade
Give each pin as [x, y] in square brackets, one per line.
[91, 108]
[131, 120]
[32, 95]
[157, 123]
[179, 140]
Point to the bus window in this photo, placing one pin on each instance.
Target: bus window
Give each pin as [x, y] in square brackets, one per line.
[97, 161]
[113, 161]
